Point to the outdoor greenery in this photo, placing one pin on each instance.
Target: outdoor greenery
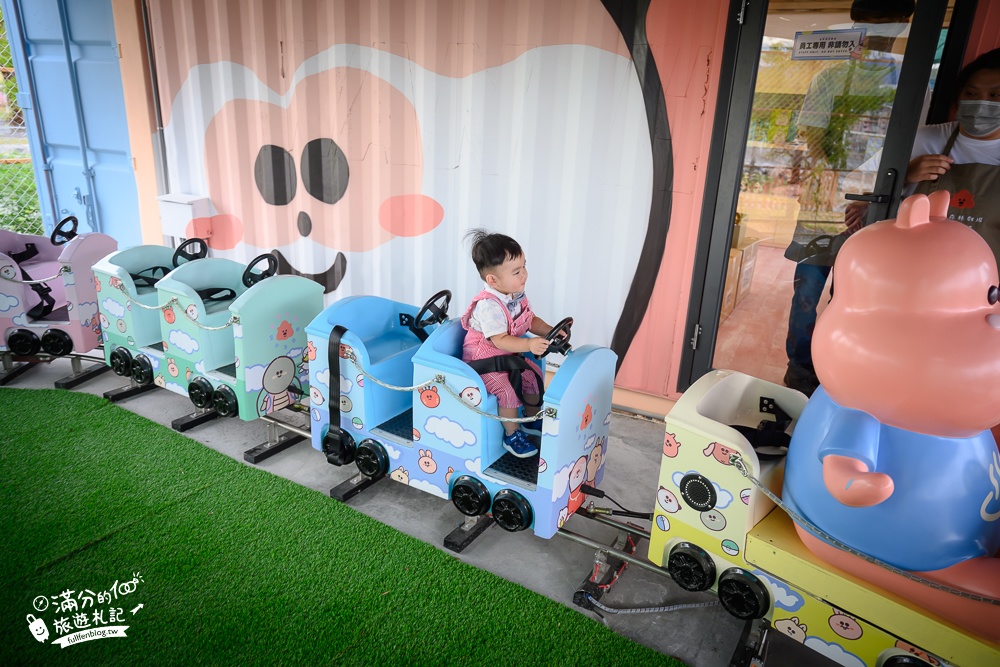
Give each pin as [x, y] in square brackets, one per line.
[19, 209]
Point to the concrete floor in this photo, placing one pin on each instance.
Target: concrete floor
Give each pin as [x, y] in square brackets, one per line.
[700, 637]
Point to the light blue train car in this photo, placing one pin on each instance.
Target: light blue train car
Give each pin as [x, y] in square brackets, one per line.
[435, 428]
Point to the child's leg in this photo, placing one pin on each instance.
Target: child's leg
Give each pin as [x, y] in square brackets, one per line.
[509, 413]
[532, 405]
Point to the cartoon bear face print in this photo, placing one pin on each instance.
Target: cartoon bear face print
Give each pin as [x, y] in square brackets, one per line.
[596, 459]
[310, 352]
[278, 375]
[159, 380]
[192, 311]
[719, 452]
[670, 445]
[430, 398]
[667, 501]
[913, 650]
[316, 396]
[285, 330]
[345, 351]
[426, 462]
[8, 271]
[587, 417]
[845, 626]
[792, 628]
[963, 199]
[400, 475]
[472, 396]
[168, 315]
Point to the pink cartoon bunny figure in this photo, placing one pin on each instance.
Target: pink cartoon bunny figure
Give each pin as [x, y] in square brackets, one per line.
[893, 455]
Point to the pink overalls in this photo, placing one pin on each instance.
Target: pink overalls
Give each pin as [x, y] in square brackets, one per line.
[478, 346]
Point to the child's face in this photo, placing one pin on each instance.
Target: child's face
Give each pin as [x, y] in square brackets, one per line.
[509, 277]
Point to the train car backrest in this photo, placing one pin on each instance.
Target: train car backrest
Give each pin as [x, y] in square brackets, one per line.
[27, 257]
[123, 263]
[271, 333]
[192, 332]
[437, 413]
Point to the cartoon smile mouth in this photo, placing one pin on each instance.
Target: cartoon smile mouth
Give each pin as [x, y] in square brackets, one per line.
[329, 279]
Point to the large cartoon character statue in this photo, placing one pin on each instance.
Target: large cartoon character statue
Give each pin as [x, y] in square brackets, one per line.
[893, 455]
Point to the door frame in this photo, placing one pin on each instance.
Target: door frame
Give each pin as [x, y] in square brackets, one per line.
[741, 54]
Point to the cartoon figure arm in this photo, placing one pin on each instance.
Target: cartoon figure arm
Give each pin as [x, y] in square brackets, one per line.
[849, 453]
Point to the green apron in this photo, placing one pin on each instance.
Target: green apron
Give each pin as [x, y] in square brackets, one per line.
[975, 196]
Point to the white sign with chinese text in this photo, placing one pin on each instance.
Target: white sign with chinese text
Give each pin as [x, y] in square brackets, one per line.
[827, 44]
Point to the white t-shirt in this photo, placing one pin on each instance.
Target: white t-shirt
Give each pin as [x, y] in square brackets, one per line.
[931, 140]
[489, 317]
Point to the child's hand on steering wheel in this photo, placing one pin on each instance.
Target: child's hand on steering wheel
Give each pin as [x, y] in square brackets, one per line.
[538, 345]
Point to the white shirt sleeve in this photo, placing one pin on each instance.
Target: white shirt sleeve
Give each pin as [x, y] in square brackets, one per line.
[489, 317]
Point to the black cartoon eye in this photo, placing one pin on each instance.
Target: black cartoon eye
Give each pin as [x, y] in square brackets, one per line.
[324, 170]
[993, 295]
[274, 171]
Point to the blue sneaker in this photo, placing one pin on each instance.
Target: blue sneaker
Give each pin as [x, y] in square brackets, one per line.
[517, 443]
[533, 428]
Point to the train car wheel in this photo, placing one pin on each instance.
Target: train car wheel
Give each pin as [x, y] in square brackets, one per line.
[470, 496]
[23, 343]
[905, 661]
[511, 511]
[201, 392]
[372, 459]
[339, 447]
[224, 401]
[121, 361]
[691, 567]
[57, 343]
[742, 594]
[142, 370]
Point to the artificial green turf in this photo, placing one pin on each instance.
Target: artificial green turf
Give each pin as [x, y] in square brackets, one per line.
[238, 566]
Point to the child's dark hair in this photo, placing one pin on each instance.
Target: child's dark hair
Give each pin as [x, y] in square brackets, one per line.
[490, 249]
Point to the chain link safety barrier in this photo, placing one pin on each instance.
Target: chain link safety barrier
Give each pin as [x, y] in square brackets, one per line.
[19, 207]
[737, 461]
[64, 269]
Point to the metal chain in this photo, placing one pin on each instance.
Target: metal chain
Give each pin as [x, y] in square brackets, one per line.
[121, 288]
[737, 461]
[650, 610]
[174, 300]
[350, 356]
[62, 270]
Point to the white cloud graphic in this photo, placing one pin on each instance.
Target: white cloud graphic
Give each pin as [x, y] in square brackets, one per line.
[21, 320]
[69, 278]
[182, 341]
[237, 330]
[783, 596]
[449, 431]
[176, 388]
[392, 452]
[254, 376]
[607, 420]
[834, 652]
[87, 308]
[723, 497]
[550, 426]
[424, 485]
[295, 353]
[560, 484]
[323, 377]
[113, 307]
[590, 443]
[345, 385]
[7, 302]
[473, 466]
[200, 366]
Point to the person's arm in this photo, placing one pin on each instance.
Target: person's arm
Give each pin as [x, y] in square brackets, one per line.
[927, 167]
[508, 343]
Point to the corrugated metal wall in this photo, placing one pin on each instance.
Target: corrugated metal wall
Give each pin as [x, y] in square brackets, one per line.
[362, 139]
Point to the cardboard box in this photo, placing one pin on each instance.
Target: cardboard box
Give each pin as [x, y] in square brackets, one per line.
[731, 288]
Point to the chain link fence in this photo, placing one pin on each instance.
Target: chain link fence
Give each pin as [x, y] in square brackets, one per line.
[19, 207]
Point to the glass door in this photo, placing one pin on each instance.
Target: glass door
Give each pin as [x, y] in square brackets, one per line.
[828, 130]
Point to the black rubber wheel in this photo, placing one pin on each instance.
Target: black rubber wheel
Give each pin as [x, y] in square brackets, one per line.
[511, 511]
[57, 343]
[224, 400]
[372, 459]
[470, 496]
[23, 343]
[121, 361]
[142, 370]
[201, 393]
[340, 451]
[742, 594]
[905, 661]
[698, 492]
[691, 567]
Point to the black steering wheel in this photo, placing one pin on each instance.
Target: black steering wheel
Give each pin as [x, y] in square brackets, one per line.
[437, 306]
[559, 344]
[250, 278]
[65, 231]
[183, 251]
[149, 277]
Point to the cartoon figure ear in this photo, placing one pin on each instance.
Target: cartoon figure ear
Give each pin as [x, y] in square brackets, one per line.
[710, 449]
[434, 389]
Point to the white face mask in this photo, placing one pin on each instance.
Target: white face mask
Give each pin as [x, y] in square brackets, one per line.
[979, 118]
